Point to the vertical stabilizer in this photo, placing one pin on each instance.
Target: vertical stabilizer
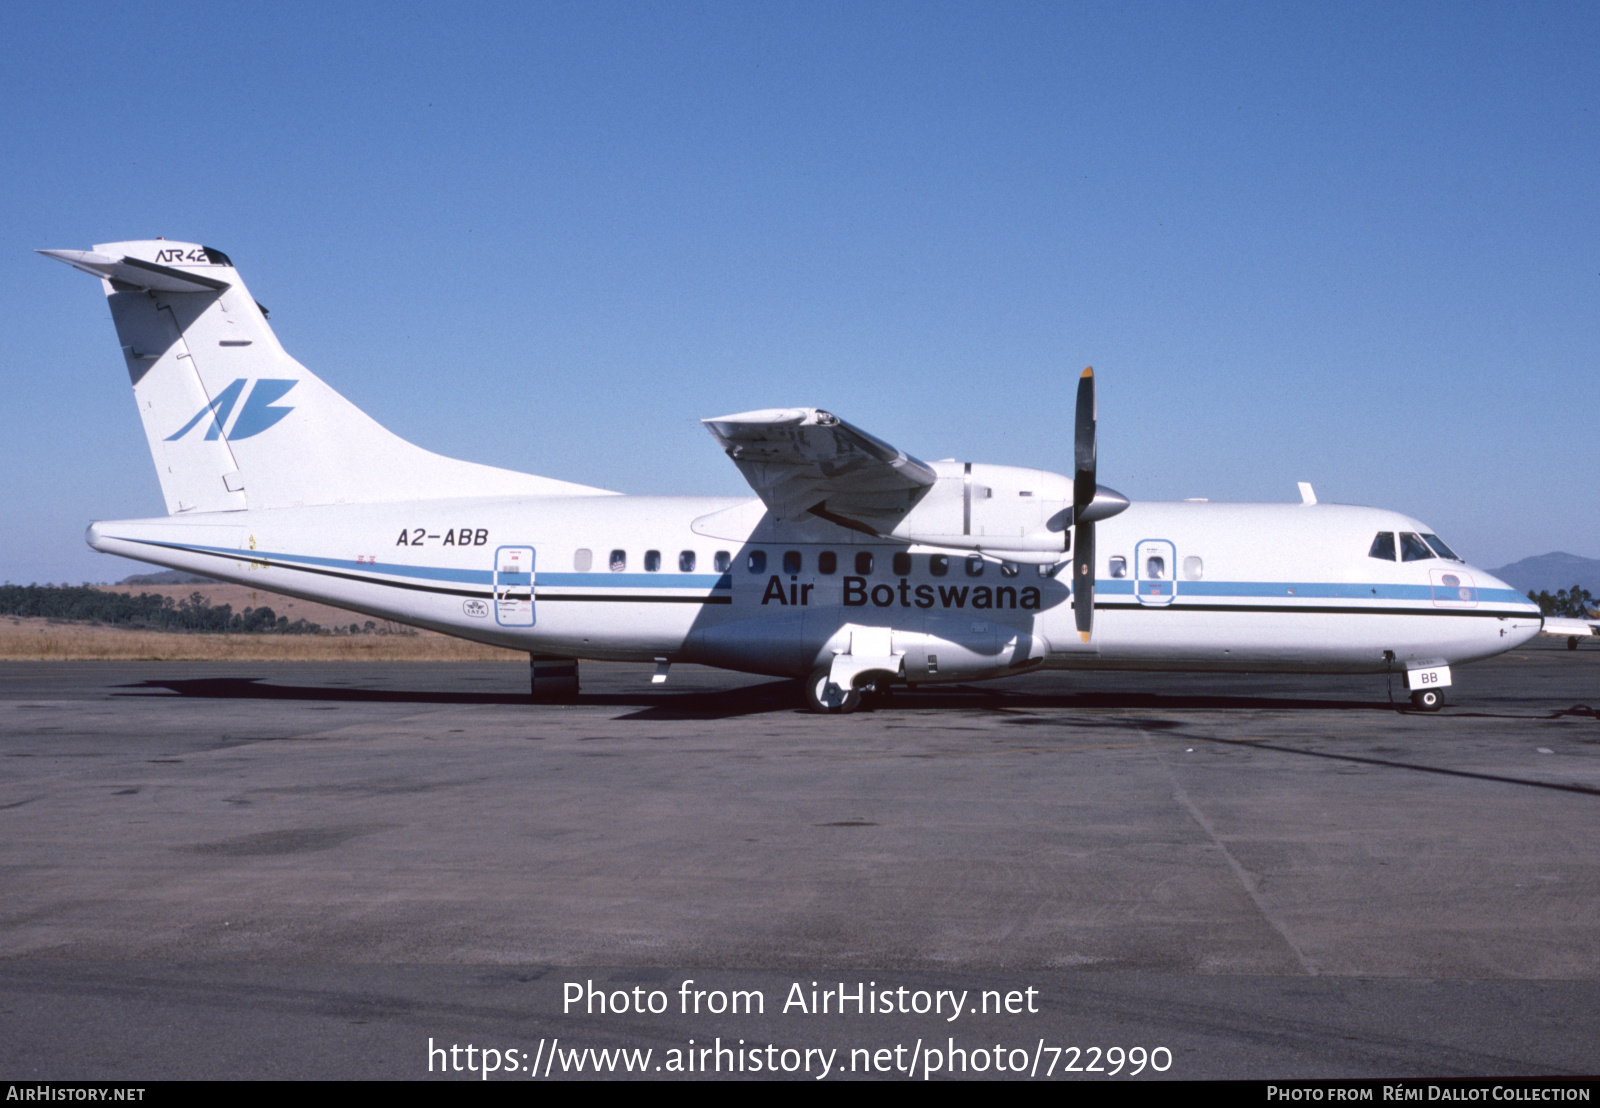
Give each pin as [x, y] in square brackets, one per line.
[232, 420]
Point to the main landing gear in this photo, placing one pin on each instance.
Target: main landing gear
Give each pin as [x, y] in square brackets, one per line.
[822, 695]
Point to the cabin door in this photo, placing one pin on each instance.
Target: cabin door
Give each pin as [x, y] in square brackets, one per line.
[1155, 568]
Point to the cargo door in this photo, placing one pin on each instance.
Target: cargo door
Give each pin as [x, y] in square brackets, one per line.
[513, 586]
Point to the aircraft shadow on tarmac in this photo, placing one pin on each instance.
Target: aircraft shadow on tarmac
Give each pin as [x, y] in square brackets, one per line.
[1014, 705]
[654, 704]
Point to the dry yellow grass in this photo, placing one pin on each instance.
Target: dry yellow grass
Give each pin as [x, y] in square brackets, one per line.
[240, 597]
[44, 640]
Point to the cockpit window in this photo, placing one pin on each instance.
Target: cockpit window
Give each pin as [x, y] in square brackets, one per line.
[1413, 549]
[1383, 546]
[1441, 549]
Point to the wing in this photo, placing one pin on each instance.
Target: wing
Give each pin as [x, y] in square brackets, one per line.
[801, 460]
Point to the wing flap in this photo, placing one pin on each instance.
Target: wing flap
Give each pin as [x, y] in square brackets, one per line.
[801, 460]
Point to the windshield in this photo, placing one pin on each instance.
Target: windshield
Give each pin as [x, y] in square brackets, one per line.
[1413, 549]
[1440, 548]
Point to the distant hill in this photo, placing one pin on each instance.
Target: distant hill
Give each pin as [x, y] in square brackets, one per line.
[179, 577]
[1552, 573]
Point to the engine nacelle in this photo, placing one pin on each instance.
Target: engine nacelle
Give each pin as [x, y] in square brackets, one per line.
[1003, 509]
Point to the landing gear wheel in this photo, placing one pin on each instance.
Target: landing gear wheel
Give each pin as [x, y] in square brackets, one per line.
[822, 695]
[1427, 700]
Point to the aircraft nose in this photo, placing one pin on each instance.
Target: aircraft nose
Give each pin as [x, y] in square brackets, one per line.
[1492, 589]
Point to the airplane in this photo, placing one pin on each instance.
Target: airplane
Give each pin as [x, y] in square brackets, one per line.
[855, 567]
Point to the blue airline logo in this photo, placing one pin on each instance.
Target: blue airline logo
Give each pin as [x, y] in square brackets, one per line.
[255, 417]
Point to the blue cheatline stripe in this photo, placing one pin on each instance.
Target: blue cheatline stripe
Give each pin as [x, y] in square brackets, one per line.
[376, 571]
[1313, 590]
[425, 573]
[635, 580]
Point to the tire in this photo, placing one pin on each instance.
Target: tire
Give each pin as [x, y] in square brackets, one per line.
[1572, 642]
[1427, 700]
[820, 699]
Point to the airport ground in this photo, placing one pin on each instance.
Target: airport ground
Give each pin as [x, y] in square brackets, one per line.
[269, 869]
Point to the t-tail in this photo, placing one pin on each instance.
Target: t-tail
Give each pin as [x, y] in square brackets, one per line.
[233, 421]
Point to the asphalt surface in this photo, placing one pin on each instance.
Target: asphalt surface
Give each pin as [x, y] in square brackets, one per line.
[279, 870]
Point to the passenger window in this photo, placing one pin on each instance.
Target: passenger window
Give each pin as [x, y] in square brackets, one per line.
[686, 562]
[902, 564]
[938, 564]
[827, 562]
[619, 561]
[1383, 546]
[1009, 569]
[582, 560]
[757, 561]
[1413, 549]
[975, 566]
[722, 561]
[1193, 568]
[864, 562]
[1155, 567]
[652, 561]
[1119, 566]
[791, 561]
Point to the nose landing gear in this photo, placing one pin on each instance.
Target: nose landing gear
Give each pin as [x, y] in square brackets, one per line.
[1427, 700]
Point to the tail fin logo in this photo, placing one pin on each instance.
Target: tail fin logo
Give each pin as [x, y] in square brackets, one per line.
[254, 417]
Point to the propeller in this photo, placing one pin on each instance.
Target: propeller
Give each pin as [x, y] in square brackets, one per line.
[1090, 502]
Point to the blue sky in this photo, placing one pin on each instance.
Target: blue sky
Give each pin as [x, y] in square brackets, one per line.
[1352, 244]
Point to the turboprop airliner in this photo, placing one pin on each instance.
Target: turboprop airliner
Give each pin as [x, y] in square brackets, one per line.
[854, 567]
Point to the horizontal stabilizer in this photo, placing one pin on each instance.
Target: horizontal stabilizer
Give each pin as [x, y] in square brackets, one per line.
[140, 274]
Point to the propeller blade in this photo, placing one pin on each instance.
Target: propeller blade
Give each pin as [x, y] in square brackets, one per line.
[1083, 492]
[1083, 445]
[1083, 579]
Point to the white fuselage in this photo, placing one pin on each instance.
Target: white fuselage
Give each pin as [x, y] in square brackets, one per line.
[1189, 586]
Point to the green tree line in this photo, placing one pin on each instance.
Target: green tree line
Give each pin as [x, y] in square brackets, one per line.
[1574, 602]
[148, 611]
